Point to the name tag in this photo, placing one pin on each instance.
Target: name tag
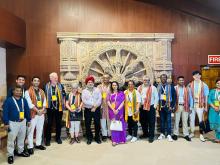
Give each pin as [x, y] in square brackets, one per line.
[73, 107]
[104, 95]
[129, 104]
[39, 104]
[21, 115]
[113, 105]
[54, 98]
[163, 97]
[217, 103]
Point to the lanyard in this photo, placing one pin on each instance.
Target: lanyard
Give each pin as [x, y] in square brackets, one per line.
[164, 89]
[197, 92]
[52, 90]
[18, 108]
[38, 96]
[129, 99]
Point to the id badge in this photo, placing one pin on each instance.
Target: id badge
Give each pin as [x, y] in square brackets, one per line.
[113, 105]
[21, 115]
[54, 98]
[216, 103]
[163, 97]
[39, 104]
[129, 104]
[73, 107]
[104, 95]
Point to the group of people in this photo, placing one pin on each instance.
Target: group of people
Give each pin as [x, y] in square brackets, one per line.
[115, 113]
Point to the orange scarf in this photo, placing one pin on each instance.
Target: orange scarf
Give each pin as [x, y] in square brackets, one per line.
[201, 94]
[147, 101]
[33, 97]
[185, 98]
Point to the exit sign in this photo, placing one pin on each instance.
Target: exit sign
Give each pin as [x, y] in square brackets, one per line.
[214, 59]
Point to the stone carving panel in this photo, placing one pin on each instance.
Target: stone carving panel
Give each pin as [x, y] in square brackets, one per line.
[123, 55]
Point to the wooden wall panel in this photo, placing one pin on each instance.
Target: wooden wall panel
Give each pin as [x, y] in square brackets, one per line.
[12, 30]
[195, 38]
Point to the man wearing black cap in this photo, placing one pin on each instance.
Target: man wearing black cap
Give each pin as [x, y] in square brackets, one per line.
[200, 93]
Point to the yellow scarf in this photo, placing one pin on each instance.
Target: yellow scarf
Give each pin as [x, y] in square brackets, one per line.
[133, 105]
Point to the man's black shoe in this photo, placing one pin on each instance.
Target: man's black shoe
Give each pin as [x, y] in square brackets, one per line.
[47, 143]
[10, 160]
[59, 141]
[24, 154]
[89, 142]
[40, 147]
[187, 138]
[30, 151]
[151, 140]
[174, 137]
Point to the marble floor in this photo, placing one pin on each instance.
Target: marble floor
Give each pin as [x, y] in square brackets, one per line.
[162, 152]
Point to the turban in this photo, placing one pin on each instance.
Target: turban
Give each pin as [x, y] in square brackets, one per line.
[89, 78]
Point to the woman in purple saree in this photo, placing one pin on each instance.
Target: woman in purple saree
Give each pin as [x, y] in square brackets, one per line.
[115, 102]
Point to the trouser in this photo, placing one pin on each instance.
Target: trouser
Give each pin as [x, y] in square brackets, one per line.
[132, 127]
[17, 130]
[38, 123]
[165, 120]
[199, 112]
[105, 127]
[88, 121]
[74, 127]
[51, 114]
[185, 115]
[147, 120]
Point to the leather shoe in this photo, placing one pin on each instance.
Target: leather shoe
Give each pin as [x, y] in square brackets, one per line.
[98, 141]
[151, 140]
[59, 141]
[89, 142]
[104, 138]
[10, 160]
[47, 143]
[31, 151]
[24, 154]
[40, 147]
[187, 138]
[174, 137]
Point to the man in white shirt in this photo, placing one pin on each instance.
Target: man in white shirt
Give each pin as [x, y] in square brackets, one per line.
[92, 99]
[37, 103]
[149, 102]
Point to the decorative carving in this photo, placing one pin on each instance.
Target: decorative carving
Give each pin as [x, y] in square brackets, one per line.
[123, 55]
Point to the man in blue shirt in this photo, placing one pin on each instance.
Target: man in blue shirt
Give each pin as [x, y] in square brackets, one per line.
[15, 115]
[167, 101]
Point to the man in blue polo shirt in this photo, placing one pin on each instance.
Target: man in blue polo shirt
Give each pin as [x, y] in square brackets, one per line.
[16, 114]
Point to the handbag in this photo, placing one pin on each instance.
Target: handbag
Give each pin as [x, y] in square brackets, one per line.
[116, 125]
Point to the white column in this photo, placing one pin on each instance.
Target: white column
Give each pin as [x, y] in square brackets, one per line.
[3, 84]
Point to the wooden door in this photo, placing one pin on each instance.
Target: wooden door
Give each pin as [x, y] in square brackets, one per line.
[210, 75]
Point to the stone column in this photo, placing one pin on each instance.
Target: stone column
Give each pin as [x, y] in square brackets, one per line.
[69, 67]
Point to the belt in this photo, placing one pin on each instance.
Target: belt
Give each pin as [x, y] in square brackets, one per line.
[20, 120]
[181, 104]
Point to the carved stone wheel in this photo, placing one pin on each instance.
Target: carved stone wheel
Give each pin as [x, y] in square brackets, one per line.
[120, 64]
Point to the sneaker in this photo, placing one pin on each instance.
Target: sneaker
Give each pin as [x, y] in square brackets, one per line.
[161, 137]
[202, 138]
[134, 139]
[191, 135]
[169, 138]
[129, 137]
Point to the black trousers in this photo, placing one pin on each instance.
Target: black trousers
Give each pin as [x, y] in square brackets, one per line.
[132, 127]
[51, 114]
[147, 120]
[88, 121]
